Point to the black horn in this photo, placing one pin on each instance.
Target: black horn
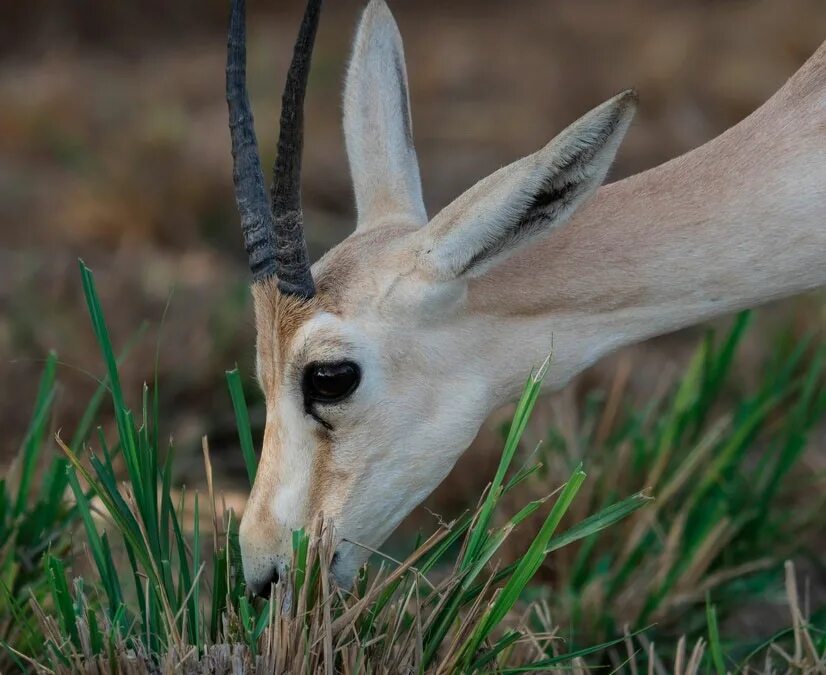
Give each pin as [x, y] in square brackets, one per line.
[273, 233]
[293, 262]
[250, 194]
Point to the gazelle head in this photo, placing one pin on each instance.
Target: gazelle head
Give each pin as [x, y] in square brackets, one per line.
[372, 361]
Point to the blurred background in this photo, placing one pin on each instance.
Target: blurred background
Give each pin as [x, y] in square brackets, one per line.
[114, 148]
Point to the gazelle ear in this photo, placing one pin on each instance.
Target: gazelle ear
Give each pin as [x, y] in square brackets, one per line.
[377, 127]
[525, 199]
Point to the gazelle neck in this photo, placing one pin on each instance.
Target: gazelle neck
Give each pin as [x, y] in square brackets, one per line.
[735, 223]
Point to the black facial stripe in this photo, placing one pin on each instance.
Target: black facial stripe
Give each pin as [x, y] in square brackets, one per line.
[310, 410]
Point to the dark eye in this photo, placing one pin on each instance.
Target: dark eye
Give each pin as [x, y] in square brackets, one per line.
[330, 382]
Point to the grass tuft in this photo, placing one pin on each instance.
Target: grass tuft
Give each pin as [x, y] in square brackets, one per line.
[146, 590]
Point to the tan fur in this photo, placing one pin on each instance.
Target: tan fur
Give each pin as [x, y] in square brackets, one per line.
[277, 318]
[329, 486]
[341, 275]
[720, 221]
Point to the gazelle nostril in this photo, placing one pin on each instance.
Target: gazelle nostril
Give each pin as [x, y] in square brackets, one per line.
[266, 589]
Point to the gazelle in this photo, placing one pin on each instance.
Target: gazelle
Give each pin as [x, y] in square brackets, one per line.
[381, 361]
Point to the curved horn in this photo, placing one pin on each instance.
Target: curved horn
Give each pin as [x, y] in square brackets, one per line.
[250, 193]
[293, 263]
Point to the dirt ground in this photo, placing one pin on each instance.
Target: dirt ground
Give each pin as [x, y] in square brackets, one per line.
[114, 148]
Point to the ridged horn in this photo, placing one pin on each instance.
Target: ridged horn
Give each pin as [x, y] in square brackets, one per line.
[273, 231]
[293, 262]
[250, 193]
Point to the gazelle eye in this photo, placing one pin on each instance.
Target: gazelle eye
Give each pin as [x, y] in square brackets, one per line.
[330, 382]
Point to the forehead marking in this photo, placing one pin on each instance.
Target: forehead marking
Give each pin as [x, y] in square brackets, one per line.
[278, 318]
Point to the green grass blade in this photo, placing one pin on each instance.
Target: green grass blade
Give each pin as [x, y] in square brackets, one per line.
[219, 592]
[90, 413]
[517, 428]
[527, 566]
[599, 521]
[715, 647]
[33, 441]
[544, 665]
[503, 643]
[62, 598]
[196, 566]
[242, 420]
[103, 561]
[126, 429]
